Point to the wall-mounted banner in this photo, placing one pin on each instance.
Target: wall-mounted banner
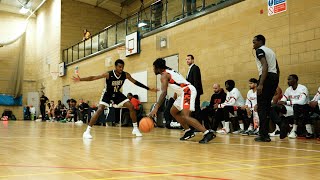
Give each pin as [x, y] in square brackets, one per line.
[276, 6]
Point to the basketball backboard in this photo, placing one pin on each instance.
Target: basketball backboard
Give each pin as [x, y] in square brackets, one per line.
[132, 44]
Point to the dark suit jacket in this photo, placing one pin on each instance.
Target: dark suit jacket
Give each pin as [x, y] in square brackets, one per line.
[194, 78]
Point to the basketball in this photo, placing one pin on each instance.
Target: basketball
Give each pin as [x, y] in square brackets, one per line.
[146, 124]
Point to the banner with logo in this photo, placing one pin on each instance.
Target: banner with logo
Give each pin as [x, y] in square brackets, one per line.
[276, 6]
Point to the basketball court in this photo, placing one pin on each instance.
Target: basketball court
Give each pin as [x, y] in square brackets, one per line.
[39, 150]
[42, 48]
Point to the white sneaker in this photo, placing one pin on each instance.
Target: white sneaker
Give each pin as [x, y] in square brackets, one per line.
[79, 122]
[275, 133]
[292, 135]
[224, 131]
[236, 132]
[220, 131]
[136, 132]
[87, 135]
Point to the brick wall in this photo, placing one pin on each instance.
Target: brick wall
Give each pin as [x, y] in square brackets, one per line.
[222, 45]
[48, 48]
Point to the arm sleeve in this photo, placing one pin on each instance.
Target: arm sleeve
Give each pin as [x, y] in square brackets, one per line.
[141, 85]
[302, 98]
[230, 101]
[317, 96]
[260, 54]
[211, 101]
[285, 95]
[248, 102]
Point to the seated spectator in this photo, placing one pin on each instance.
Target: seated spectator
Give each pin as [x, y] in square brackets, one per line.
[72, 111]
[46, 117]
[51, 111]
[136, 96]
[233, 100]
[218, 97]
[83, 110]
[294, 102]
[134, 101]
[245, 112]
[276, 98]
[86, 34]
[60, 111]
[315, 108]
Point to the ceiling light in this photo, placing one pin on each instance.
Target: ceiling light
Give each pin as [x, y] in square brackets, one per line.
[23, 10]
[141, 24]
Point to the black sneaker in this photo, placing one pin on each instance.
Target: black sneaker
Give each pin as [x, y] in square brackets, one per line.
[207, 137]
[262, 139]
[283, 129]
[187, 135]
[309, 136]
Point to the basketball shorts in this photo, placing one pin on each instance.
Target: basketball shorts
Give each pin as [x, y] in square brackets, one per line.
[186, 99]
[117, 99]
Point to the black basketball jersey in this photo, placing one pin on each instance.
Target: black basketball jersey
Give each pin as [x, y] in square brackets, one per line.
[114, 83]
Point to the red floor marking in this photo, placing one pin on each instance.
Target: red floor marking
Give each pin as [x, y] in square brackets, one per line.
[58, 167]
[183, 175]
[203, 177]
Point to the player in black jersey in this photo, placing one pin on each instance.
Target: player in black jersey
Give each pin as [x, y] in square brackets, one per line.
[112, 94]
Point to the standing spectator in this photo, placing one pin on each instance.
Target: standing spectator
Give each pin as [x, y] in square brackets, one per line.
[157, 8]
[43, 101]
[191, 6]
[194, 77]
[268, 82]
[86, 34]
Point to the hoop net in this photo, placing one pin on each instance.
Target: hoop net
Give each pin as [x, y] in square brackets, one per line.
[54, 75]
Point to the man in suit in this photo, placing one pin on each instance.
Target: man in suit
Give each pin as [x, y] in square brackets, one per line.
[194, 77]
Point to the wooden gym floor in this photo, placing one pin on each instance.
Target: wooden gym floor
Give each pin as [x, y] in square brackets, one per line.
[51, 150]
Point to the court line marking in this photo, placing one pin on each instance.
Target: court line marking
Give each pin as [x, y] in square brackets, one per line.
[161, 166]
[218, 170]
[51, 167]
[184, 175]
[312, 142]
[276, 147]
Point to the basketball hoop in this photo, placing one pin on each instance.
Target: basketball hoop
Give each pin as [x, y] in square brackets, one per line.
[54, 75]
[130, 50]
[122, 52]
